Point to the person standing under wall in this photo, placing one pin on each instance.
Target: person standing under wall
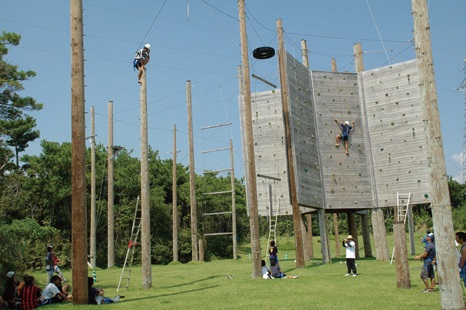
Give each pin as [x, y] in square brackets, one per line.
[350, 246]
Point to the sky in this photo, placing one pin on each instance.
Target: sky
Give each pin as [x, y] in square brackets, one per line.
[199, 40]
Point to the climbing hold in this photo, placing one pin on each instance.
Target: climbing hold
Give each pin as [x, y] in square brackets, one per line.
[426, 196]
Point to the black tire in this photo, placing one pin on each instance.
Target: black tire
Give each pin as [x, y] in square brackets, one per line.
[264, 52]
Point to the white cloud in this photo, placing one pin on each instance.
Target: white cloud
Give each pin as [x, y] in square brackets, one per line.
[458, 159]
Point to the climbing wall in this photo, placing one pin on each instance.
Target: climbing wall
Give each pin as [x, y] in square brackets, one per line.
[346, 178]
[270, 154]
[392, 101]
[386, 148]
[303, 135]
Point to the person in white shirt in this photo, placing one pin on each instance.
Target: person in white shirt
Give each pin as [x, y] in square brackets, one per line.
[350, 246]
[52, 293]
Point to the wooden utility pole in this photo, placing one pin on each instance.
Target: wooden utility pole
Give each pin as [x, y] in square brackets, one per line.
[111, 210]
[450, 288]
[334, 65]
[145, 189]
[78, 157]
[93, 231]
[289, 148]
[353, 230]
[403, 277]
[378, 223]
[175, 200]
[192, 177]
[309, 246]
[335, 216]
[233, 200]
[250, 162]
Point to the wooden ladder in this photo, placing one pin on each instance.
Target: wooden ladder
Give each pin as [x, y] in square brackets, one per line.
[126, 272]
[402, 212]
[272, 233]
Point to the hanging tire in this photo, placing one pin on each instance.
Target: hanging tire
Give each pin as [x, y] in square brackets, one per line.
[264, 52]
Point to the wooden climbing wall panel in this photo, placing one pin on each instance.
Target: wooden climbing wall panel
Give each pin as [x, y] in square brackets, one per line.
[270, 154]
[303, 135]
[397, 141]
[346, 178]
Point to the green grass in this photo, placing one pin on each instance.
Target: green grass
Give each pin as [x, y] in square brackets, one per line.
[319, 286]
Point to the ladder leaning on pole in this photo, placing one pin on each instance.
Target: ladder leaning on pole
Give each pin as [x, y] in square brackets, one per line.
[402, 211]
[131, 245]
[272, 232]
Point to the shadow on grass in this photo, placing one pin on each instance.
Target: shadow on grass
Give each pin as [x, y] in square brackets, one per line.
[192, 282]
[137, 300]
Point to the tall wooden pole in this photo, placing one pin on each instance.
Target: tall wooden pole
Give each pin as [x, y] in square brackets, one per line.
[78, 157]
[175, 200]
[335, 216]
[378, 223]
[93, 231]
[145, 190]
[403, 276]
[110, 211]
[450, 288]
[192, 177]
[309, 247]
[233, 200]
[251, 166]
[289, 149]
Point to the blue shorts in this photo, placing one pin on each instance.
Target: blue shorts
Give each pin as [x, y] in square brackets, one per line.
[427, 271]
[136, 63]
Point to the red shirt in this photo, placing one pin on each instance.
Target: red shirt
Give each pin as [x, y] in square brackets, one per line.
[29, 295]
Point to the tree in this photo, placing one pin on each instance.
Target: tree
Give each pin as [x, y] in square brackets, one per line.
[13, 122]
[21, 133]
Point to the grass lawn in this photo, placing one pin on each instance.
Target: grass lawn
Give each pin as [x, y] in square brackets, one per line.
[319, 286]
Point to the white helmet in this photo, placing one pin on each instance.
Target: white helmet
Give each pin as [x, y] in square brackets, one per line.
[347, 123]
[147, 46]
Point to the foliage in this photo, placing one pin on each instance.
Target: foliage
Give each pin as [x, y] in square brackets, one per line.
[14, 124]
[24, 244]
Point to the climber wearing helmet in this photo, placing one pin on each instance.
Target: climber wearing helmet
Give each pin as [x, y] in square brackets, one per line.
[141, 58]
[345, 130]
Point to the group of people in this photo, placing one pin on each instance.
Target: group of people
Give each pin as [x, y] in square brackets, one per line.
[274, 271]
[27, 295]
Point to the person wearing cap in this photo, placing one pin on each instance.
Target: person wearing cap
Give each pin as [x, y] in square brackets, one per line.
[9, 290]
[345, 131]
[52, 261]
[141, 59]
[350, 246]
[427, 271]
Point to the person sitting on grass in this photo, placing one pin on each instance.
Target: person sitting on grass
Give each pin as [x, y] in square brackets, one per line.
[9, 291]
[277, 272]
[52, 294]
[96, 296]
[30, 294]
[266, 274]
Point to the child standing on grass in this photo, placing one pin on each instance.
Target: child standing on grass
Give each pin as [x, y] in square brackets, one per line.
[350, 246]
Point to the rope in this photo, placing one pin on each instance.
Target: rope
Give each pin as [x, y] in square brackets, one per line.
[378, 32]
[153, 22]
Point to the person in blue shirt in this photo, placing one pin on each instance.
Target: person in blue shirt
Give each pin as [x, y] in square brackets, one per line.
[345, 131]
[427, 271]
